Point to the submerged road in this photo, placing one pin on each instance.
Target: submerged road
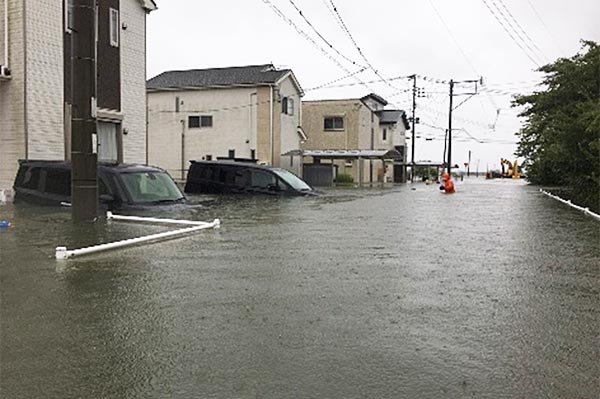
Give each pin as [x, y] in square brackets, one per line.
[491, 293]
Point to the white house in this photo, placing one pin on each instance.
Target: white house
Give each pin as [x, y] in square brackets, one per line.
[251, 112]
[35, 82]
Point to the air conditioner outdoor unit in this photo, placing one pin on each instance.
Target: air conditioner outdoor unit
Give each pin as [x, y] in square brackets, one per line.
[4, 72]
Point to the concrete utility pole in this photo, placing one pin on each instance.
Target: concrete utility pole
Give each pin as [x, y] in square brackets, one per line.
[414, 107]
[469, 165]
[84, 160]
[451, 108]
[450, 129]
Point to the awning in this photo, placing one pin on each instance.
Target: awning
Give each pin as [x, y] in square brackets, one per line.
[347, 154]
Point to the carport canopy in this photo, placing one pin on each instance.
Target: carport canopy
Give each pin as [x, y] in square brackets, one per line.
[347, 154]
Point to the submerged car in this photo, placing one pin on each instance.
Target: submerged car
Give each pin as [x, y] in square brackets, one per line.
[119, 185]
[231, 177]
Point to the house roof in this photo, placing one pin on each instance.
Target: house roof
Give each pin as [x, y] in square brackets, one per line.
[375, 97]
[392, 116]
[252, 75]
[148, 5]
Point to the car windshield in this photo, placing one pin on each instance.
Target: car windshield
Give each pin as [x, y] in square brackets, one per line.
[292, 180]
[151, 187]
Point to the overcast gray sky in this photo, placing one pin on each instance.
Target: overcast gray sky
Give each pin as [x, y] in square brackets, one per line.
[437, 39]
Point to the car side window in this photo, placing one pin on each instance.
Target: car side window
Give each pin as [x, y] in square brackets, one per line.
[262, 180]
[32, 179]
[58, 181]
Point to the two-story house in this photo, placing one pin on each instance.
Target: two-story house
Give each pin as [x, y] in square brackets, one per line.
[35, 81]
[251, 112]
[355, 125]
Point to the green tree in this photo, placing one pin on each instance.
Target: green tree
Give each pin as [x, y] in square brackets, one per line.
[560, 140]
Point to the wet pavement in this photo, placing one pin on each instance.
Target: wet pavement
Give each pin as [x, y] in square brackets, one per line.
[374, 293]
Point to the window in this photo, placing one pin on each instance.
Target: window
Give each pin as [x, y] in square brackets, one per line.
[200, 121]
[32, 179]
[58, 181]
[287, 106]
[193, 121]
[334, 123]
[384, 134]
[260, 179]
[232, 154]
[114, 27]
[252, 154]
[206, 121]
[68, 15]
[208, 157]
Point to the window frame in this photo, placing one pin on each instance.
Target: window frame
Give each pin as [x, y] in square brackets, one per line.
[333, 127]
[290, 106]
[113, 27]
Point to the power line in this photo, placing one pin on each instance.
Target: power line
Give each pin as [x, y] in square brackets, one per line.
[510, 34]
[302, 33]
[347, 31]
[321, 36]
[328, 84]
[511, 16]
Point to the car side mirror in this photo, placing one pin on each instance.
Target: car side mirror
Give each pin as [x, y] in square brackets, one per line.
[273, 187]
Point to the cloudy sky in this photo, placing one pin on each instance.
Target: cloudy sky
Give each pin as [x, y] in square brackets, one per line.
[503, 41]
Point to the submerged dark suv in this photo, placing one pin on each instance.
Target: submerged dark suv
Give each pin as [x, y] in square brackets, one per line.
[230, 177]
[119, 185]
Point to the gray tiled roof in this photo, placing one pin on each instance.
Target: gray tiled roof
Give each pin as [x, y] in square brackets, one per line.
[232, 76]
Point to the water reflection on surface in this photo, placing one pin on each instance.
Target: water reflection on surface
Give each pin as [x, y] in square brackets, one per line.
[358, 293]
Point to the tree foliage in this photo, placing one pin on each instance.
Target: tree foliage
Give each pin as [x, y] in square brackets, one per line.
[560, 140]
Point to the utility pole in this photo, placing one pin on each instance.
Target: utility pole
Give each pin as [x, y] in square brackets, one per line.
[469, 165]
[414, 121]
[449, 165]
[84, 160]
[451, 108]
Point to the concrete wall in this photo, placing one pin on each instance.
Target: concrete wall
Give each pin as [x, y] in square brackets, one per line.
[44, 88]
[133, 81]
[12, 96]
[234, 113]
[313, 114]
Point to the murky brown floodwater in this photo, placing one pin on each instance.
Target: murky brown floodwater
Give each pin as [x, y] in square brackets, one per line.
[492, 292]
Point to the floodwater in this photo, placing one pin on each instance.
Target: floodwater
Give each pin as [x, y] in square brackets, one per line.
[373, 293]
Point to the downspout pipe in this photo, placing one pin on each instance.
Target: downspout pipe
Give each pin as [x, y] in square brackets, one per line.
[271, 125]
[182, 149]
[6, 33]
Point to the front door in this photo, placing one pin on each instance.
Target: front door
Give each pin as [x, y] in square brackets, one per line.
[107, 141]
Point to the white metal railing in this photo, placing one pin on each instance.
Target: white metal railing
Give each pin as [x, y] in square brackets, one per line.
[572, 205]
[64, 253]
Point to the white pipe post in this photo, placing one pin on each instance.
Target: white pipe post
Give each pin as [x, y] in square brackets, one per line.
[63, 253]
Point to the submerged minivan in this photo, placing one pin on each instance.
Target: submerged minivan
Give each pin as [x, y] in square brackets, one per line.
[233, 177]
[119, 185]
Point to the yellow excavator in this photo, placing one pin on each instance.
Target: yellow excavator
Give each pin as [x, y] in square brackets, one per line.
[513, 169]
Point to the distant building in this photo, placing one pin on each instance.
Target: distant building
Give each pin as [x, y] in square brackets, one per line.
[35, 86]
[355, 125]
[249, 112]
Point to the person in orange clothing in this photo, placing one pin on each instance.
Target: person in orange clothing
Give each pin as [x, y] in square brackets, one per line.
[448, 186]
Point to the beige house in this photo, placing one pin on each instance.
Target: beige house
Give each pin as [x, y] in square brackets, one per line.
[251, 112]
[354, 125]
[35, 82]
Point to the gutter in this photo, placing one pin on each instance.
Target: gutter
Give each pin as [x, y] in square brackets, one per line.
[6, 34]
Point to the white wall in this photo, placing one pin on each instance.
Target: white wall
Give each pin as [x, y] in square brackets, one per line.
[133, 81]
[234, 126]
[12, 97]
[289, 123]
[45, 74]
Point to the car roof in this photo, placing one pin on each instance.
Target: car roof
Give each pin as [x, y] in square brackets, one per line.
[235, 164]
[107, 166]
